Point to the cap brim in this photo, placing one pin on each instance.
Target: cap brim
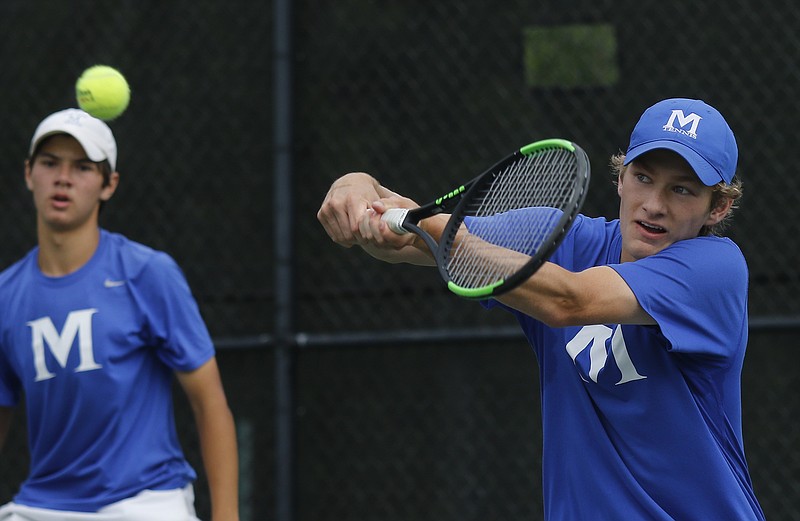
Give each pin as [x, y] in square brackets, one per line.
[702, 168]
[93, 152]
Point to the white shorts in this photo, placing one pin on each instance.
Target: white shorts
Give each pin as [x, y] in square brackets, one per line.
[148, 505]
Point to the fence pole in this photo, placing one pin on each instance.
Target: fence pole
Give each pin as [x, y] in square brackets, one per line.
[284, 294]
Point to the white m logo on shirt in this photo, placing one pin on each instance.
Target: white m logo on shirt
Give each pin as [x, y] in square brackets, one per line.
[78, 323]
[683, 120]
[594, 338]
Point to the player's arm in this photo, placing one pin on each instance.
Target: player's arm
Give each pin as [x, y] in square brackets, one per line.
[351, 214]
[346, 204]
[382, 243]
[559, 297]
[6, 414]
[217, 435]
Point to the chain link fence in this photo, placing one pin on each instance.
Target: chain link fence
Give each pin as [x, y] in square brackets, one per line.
[407, 402]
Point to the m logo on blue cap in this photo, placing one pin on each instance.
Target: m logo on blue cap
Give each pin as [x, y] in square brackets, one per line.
[683, 121]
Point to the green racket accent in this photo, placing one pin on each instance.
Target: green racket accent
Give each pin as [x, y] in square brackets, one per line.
[547, 143]
[474, 293]
[450, 195]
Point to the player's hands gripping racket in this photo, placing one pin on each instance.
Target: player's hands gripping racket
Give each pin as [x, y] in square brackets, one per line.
[506, 222]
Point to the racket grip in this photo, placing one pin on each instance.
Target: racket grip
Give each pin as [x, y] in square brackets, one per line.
[394, 217]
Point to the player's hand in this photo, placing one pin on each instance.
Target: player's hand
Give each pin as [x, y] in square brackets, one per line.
[375, 233]
[345, 206]
[378, 240]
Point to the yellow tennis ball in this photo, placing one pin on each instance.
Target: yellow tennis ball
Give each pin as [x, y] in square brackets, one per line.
[103, 92]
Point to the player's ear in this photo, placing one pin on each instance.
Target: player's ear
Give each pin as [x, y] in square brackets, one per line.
[111, 186]
[28, 181]
[719, 211]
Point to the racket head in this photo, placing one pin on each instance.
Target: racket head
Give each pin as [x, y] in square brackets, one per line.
[512, 218]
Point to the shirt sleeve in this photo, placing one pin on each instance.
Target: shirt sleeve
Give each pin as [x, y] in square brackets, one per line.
[173, 316]
[696, 290]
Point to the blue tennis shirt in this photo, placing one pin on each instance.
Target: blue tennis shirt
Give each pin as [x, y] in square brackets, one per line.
[644, 422]
[94, 353]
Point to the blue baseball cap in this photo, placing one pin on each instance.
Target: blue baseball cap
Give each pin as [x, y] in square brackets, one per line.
[693, 129]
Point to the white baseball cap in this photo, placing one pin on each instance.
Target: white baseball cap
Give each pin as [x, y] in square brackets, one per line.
[93, 134]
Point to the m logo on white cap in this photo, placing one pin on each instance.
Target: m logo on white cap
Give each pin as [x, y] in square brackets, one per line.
[683, 121]
[75, 118]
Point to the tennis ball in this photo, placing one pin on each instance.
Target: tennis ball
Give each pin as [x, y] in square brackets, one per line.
[103, 92]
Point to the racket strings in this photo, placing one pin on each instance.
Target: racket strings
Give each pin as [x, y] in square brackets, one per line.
[528, 196]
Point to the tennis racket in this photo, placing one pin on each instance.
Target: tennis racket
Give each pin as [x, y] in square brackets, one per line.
[505, 223]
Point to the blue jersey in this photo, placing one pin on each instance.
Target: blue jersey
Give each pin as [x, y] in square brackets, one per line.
[644, 422]
[93, 353]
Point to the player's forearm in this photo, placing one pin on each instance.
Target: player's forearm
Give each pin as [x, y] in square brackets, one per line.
[559, 297]
[547, 296]
[418, 252]
[407, 255]
[220, 459]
